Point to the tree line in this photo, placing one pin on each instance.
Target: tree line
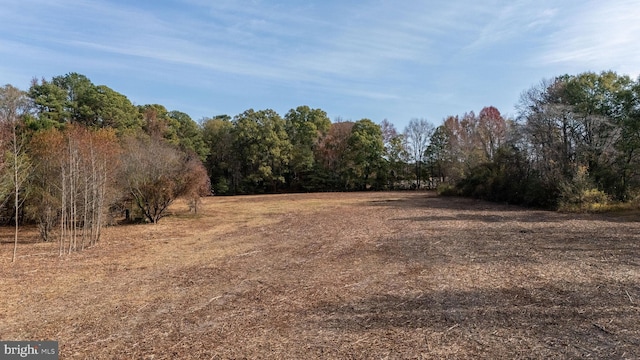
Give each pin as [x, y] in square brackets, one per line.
[75, 153]
[573, 143]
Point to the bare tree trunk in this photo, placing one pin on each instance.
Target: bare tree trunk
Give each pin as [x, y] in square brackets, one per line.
[101, 190]
[96, 205]
[17, 190]
[63, 212]
[74, 202]
[85, 218]
[72, 199]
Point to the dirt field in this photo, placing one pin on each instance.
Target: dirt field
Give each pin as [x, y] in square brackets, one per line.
[335, 275]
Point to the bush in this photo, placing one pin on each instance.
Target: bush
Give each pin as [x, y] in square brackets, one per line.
[585, 200]
[446, 190]
[221, 187]
[155, 173]
[579, 194]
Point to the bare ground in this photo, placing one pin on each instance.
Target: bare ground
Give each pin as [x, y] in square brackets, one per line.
[335, 275]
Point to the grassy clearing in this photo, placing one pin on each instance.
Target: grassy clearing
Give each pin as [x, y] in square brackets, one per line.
[335, 275]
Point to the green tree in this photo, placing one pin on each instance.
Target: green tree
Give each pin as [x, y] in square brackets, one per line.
[50, 102]
[628, 146]
[263, 147]
[438, 155]
[114, 110]
[305, 127]
[598, 112]
[222, 163]
[189, 134]
[73, 98]
[365, 153]
[81, 98]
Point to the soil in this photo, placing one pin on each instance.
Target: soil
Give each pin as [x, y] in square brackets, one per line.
[390, 275]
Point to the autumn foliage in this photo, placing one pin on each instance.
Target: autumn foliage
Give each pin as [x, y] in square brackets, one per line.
[73, 183]
[78, 155]
[154, 173]
[70, 166]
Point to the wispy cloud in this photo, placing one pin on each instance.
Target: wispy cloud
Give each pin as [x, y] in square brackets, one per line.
[504, 22]
[599, 35]
[256, 39]
[375, 56]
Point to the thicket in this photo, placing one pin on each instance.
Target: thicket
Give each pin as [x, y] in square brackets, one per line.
[574, 146]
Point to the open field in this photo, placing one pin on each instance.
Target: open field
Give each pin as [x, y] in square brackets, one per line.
[336, 275]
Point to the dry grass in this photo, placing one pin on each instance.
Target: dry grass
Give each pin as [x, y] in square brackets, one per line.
[357, 275]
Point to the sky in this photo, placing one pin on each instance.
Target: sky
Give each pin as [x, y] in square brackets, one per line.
[377, 59]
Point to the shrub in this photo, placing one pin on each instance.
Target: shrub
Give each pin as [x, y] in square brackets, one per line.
[584, 200]
[446, 190]
[155, 173]
[579, 194]
[221, 187]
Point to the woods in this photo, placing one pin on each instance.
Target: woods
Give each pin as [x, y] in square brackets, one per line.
[77, 156]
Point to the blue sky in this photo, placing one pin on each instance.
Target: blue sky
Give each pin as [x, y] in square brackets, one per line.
[371, 59]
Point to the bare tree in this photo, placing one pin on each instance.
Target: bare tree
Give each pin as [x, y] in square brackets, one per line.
[417, 136]
[14, 105]
[550, 129]
[72, 183]
[155, 173]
